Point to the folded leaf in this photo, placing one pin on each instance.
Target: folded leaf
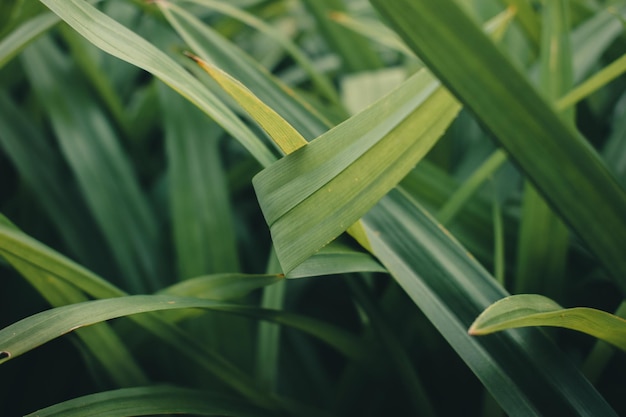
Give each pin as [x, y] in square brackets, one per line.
[314, 194]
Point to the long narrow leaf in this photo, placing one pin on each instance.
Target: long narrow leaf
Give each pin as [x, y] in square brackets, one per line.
[568, 173]
[40, 328]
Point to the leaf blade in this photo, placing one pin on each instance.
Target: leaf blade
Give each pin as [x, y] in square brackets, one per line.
[525, 310]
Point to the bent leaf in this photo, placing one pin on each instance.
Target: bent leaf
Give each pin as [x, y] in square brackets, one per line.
[527, 310]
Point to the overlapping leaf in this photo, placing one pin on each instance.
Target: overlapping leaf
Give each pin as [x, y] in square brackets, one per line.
[314, 194]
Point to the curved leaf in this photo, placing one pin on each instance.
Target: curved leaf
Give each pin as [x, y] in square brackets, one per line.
[142, 401]
[525, 310]
[40, 328]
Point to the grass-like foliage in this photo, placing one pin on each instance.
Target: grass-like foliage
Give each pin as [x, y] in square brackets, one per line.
[312, 207]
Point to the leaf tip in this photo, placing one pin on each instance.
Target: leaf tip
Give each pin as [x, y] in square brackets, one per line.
[191, 56]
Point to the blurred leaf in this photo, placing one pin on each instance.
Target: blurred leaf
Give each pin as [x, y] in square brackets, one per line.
[91, 147]
[591, 38]
[614, 151]
[269, 334]
[528, 19]
[526, 310]
[543, 238]
[222, 287]
[548, 150]
[141, 401]
[204, 230]
[594, 83]
[16, 40]
[355, 51]
[362, 89]
[86, 57]
[320, 81]
[373, 30]
[42, 169]
[461, 196]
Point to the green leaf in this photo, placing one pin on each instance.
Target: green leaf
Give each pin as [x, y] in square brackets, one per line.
[203, 224]
[17, 39]
[592, 38]
[324, 85]
[40, 328]
[461, 196]
[355, 51]
[116, 201]
[373, 30]
[141, 401]
[28, 250]
[100, 340]
[526, 310]
[549, 151]
[314, 194]
[117, 40]
[41, 167]
[212, 47]
[283, 134]
[543, 238]
[528, 19]
[523, 370]
[269, 334]
[594, 83]
[222, 287]
[336, 258]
